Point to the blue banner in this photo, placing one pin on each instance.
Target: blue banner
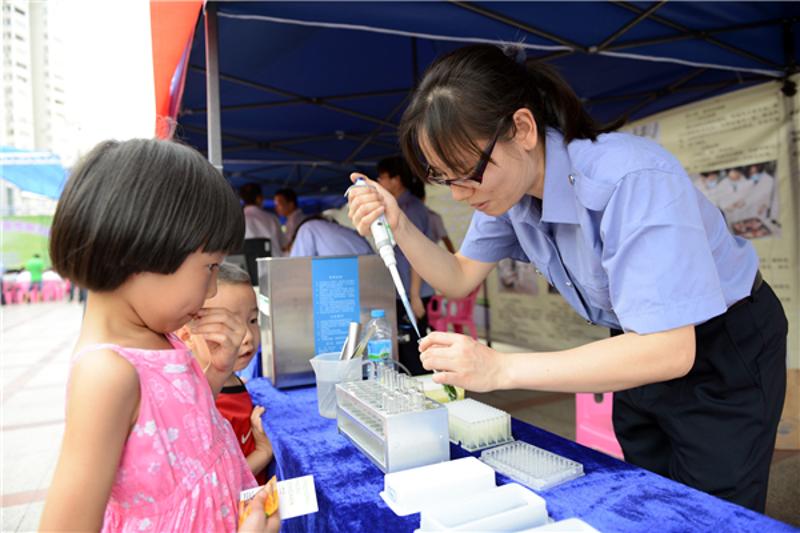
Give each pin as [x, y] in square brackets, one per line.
[335, 299]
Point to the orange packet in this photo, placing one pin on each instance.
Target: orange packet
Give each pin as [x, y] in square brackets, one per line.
[270, 503]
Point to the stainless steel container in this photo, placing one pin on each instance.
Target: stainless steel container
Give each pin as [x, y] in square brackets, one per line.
[285, 300]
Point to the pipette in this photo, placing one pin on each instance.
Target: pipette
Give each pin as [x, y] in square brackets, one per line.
[384, 242]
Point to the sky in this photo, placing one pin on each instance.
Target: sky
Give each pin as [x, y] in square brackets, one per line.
[108, 68]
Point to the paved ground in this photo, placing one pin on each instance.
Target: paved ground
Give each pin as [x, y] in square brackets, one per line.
[36, 342]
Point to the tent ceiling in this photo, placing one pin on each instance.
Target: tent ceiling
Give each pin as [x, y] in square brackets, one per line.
[313, 90]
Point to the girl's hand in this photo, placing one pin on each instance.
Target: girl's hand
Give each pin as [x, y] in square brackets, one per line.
[223, 333]
[462, 361]
[366, 204]
[262, 441]
[256, 520]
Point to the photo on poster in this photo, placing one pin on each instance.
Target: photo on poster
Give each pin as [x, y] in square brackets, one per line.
[517, 277]
[747, 195]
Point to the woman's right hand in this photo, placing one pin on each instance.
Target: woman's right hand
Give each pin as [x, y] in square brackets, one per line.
[368, 203]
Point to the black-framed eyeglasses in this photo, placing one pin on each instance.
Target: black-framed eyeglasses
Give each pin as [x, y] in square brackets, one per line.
[476, 175]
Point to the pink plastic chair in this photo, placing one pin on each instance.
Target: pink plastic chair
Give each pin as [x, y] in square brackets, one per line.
[593, 425]
[10, 291]
[23, 291]
[34, 295]
[457, 312]
[52, 290]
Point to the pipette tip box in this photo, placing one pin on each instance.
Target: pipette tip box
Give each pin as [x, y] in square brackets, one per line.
[532, 466]
[476, 425]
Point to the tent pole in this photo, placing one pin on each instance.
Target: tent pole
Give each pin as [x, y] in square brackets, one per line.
[617, 34]
[212, 87]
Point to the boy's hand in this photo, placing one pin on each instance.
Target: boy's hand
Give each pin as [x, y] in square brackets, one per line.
[262, 441]
[223, 333]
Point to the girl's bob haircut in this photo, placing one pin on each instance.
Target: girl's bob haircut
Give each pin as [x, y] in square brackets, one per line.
[141, 206]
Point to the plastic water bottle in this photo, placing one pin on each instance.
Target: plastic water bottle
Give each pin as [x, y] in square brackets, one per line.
[379, 347]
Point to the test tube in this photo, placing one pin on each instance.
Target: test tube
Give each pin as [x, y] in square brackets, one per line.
[418, 401]
[385, 401]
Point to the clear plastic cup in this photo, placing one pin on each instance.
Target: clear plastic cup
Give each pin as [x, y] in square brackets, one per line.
[329, 371]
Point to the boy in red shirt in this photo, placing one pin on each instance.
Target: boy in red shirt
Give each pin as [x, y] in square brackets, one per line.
[235, 294]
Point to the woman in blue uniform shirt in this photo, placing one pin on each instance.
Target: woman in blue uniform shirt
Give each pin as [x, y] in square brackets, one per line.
[697, 350]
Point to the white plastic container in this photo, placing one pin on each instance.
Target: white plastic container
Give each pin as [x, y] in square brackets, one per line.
[509, 507]
[477, 425]
[570, 525]
[330, 370]
[409, 491]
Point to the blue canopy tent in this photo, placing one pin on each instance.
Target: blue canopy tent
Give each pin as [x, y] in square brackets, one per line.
[301, 94]
[36, 172]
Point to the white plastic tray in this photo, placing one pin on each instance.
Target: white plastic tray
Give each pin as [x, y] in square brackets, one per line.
[532, 466]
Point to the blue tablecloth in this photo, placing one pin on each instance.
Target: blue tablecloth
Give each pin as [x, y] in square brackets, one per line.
[612, 496]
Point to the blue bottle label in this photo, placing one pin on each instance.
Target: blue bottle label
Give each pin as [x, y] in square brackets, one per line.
[379, 349]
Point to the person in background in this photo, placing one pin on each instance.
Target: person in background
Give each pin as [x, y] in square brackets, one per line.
[35, 266]
[144, 448]
[396, 178]
[286, 206]
[734, 190]
[320, 237]
[258, 223]
[438, 232]
[235, 294]
[764, 191]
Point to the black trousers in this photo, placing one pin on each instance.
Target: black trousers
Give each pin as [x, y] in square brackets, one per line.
[409, 351]
[714, 429]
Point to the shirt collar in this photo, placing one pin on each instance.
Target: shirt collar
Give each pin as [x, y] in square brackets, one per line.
[558, 204]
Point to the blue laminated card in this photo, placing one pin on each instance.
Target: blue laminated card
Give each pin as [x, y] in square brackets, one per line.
[335, 300]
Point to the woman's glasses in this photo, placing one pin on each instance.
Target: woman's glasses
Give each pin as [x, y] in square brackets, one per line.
[476, 175]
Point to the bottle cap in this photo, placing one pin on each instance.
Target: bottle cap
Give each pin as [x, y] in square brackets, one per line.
[377, 313]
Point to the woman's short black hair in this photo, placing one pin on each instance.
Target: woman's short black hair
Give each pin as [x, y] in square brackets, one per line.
[141, 206]
[472, 93]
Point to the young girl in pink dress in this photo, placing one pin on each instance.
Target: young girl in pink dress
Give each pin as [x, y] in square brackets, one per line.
[144, 225]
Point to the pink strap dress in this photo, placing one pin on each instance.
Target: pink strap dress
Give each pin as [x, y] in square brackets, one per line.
[181, 468]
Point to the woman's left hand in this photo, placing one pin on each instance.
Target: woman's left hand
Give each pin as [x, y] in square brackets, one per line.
[462, 361]
[223, 332]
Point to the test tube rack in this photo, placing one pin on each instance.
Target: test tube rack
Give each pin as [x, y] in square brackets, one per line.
[392, 422]
[477, 425]
[530, 465]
